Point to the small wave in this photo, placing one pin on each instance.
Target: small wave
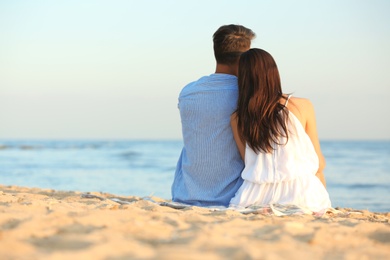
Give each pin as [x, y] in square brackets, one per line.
[367, 186]
[129, 155]
[21, 147]
[52, 145]
[361, 186]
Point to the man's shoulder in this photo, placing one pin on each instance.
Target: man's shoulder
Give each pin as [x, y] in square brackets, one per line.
[212, 82]
[194, 85]
[201, 80]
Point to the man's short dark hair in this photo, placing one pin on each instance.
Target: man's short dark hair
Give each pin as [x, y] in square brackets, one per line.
[230, 41]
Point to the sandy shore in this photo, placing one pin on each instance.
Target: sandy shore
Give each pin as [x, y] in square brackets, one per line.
[48, 224]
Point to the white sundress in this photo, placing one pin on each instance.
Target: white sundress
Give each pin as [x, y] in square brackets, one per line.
[286, 176]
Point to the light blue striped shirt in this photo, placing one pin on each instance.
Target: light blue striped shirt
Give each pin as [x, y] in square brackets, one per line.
[208, 172]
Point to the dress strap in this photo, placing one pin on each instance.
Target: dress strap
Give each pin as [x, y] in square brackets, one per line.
[288, 98]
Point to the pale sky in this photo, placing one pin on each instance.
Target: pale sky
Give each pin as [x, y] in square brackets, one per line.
[114, 69]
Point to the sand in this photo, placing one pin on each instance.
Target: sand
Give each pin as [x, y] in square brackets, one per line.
[49, 224]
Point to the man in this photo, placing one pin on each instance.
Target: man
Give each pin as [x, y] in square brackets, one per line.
[208, 172]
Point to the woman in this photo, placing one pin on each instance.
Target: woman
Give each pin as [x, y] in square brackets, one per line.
[277, 138]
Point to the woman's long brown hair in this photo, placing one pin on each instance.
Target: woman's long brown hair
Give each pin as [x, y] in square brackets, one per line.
[261, 118]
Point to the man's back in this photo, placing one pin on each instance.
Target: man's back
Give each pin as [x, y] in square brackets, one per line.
[209, 169]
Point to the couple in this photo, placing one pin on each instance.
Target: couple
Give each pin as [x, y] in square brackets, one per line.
[240, 114]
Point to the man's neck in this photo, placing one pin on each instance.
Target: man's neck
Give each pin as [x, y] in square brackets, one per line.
[227, 69]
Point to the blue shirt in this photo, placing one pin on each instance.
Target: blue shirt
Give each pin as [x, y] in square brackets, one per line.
[208, 172]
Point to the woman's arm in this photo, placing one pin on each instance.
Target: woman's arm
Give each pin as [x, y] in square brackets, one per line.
[239, 142]
[311, 130]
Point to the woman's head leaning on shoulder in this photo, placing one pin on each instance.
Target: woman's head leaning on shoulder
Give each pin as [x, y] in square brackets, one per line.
[261, 117]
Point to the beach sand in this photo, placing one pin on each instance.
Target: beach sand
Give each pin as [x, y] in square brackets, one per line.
[49, 224]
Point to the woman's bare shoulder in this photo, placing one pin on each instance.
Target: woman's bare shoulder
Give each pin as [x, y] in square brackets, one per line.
[301, 108]
[300, 100]
[302, 104]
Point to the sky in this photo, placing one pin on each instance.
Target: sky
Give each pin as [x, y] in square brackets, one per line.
[114, 69]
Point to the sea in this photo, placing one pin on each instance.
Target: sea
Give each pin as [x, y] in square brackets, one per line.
[357, 172]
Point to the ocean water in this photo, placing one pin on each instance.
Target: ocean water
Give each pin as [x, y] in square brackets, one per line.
[357, 172]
